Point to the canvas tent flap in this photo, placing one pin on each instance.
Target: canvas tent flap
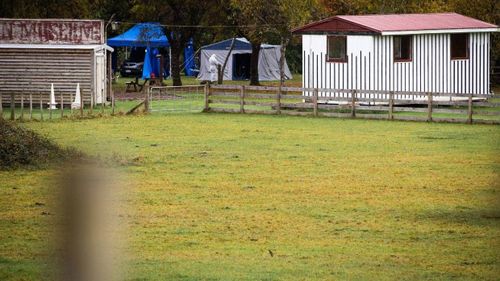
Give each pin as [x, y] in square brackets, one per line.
[269, 64]
[269, 57]
[141, 35]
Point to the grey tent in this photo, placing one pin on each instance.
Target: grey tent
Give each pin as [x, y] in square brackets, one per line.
[238, 64]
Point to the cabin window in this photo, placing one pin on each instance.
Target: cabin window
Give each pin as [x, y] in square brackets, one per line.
[459, 46]
[337, 49]
[402, 48]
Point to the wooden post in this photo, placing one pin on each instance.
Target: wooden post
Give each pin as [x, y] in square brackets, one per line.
[242, 99]
[220, 76]
[31, 106]
[102, 101]
[12, 107]
[1, 106]
[391, 106]
[206, 92]
[62, 106]
[71, 99]
[113, 95]
[41, 107]
[146, 100]
[22, 106]
[91, 103]
[315, 102]
[278, 100]
[469, 110]
[81, 103]
[429, 107]
[161, 72]
[353, 103]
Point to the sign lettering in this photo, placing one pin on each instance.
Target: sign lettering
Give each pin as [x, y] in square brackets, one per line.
[14, 31]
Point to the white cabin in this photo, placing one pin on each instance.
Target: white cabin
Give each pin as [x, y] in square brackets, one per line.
[438, 53]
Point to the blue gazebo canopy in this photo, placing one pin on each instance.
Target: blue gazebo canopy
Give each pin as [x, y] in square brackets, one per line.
[149, 34]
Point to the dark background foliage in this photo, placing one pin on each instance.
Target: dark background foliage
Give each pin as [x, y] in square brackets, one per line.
[272, 19]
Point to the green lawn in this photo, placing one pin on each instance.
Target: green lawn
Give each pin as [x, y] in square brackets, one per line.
[333, 199]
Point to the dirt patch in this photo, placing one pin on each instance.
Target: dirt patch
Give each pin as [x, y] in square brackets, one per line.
[128, 96]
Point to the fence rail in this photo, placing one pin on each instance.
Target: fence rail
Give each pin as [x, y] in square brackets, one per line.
[188, 98]
[369, 104]
[37, 106]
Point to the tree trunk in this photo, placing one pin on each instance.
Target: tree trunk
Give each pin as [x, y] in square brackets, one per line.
[220, 78]
[175, 65]
[254, 64]
[284, 43]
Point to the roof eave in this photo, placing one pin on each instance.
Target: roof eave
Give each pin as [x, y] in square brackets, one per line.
[319, 32]
[62, 46]
[303, 29]
[401, 32]
[298, 30]
[440, 31]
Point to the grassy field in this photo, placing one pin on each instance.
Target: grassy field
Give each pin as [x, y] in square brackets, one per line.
[212, 194]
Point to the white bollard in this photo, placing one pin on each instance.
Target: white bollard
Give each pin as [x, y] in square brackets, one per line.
[78, 101]
[52, 104]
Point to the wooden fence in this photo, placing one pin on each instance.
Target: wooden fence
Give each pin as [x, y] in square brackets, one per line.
[368, 104]
[393, 105]
[35, 106]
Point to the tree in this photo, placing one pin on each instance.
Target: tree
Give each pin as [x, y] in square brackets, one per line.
[295, 13]
[46, 9]
[259, 20]
[254, 18]
[353, 7]
[180, 20]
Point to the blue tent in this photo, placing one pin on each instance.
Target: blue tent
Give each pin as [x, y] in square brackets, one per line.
[151, 64]
[189, 63]
[147, 34]
[151, 35]
[147, 68]
[155, 62]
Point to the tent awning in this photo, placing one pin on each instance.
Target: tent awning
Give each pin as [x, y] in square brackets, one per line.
[239, 44]
[141, 35]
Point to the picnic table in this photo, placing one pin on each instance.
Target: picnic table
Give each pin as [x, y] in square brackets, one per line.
[136, 85]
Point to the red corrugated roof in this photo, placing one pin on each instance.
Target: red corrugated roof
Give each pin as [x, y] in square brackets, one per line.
[407, 22]
[412, 22]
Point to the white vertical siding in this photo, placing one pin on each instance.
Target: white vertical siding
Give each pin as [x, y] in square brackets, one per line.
[371, 66]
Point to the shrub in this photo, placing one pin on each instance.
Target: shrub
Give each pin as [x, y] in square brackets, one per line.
[22, 147]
